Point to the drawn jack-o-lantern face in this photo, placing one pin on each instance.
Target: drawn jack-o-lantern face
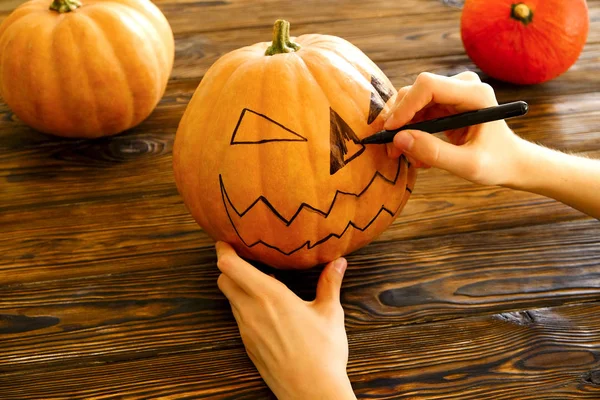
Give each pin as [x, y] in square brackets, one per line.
[268, 155]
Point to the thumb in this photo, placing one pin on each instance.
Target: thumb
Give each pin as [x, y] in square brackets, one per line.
[433, 151]
[330, 281]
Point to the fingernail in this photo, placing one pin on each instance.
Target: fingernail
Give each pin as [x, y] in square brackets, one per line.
[340, 265]
[404, 140]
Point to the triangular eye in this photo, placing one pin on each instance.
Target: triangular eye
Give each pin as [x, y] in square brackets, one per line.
[344, 145]
[256, 128]
[379, 96]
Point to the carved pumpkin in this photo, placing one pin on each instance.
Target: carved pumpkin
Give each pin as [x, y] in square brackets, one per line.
[267, 155]
[525, 42]
[84, 70]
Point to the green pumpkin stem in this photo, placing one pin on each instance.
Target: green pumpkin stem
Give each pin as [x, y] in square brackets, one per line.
[281, 39]
[521, 12]
[65, 6]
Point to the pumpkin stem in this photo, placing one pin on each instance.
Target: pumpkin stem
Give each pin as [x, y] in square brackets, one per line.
[521, 12]
[281, 39]
[65, 6]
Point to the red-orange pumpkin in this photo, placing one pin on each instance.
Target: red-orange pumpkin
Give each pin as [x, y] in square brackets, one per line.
[524, 42]
[84, 70]
[267, 155]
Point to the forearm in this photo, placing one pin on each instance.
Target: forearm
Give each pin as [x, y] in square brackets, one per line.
[572, 180]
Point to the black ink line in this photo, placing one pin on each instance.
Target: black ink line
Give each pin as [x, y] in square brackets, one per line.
[385, 92]
[379, 97]
[307, 244]
[308, 206]
[340, 133]
[233, 141]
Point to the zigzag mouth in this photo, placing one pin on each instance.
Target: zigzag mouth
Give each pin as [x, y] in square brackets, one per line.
[231, 209]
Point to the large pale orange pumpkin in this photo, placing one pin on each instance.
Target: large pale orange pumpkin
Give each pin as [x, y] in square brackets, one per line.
[267, 155]
[86, 69]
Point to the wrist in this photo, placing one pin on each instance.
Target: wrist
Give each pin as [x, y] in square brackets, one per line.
[540, 169]
[529, 165]
[339, 389]
[321, 389]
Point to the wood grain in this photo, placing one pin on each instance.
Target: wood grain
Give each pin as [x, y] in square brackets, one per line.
[224, 15]
[108, 287]
[167, 310]
[383, 39]
[545, 353]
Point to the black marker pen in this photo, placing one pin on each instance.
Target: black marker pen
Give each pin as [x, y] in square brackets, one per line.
[469, 118]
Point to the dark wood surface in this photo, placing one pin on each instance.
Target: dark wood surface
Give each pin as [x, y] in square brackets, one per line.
[108, 287]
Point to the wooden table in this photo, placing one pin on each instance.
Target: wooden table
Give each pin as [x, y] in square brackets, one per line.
[108, 287]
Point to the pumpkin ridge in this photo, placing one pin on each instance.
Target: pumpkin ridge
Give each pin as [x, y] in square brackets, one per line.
[40, 47]
[28, 70]
[136, 17]
[57, 71]
[214, 103]
[301, 64]
[19, 13]
[119, 62]
[363, 81]
[354, 100]
[381, 91]
[83, 68]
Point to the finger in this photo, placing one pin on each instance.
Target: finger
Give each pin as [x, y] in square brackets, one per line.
[237, 315]
[246, 276]
[426, 112]
[457, 136]
[392, 151]
[330, 282]
[420, 164]
[401, 93]
[467, 95]
[468, 76]
[389, 147]
[231, 290]
[435, 152]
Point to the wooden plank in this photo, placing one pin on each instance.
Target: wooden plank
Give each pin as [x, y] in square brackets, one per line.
[223, 15]
[538, 354]
[582, 78]
[172, 305]
[204, 17]
[545, 353]
[382, 39]
[107, 286]
[87, 238]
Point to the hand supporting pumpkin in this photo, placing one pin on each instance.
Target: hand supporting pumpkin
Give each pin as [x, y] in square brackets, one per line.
[300, 348]
[488, 154]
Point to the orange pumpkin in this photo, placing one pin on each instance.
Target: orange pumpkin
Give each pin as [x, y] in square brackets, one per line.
[524, 42]
[268, 157]
[84, 70]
